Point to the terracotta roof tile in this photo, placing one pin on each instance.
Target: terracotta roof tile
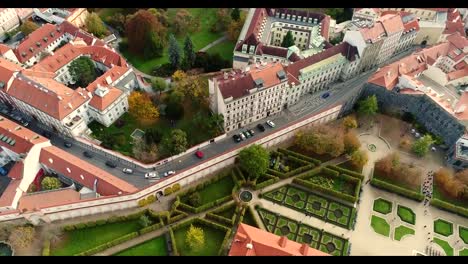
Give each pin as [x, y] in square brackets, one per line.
[102, 103]
[9, 194]
[33, 202]
[24, 139]
[373, 33]
[457, 74]
[4, 48]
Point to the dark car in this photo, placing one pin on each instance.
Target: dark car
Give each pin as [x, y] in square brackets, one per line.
[325, 95]
[236, 138]
[67, 144]
[261, 127]
[46, 134]
[88, 154]
[111, 164]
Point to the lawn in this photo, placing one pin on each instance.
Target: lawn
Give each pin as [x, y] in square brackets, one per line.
[463, 233]
[443, 227]
[445, 246]
[463, 252]
[213, 240]
[225, 49]
[77, 241]
[215, 190]
[228, 213]
[380, 225]
[406, 214]
[153, 247]
[200, 38]
[382, 206]
[105, 13]
[249, 219]
[402, 231]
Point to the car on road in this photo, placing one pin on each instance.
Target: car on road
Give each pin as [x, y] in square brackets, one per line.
[47, 134]
[270, 123]
[4, 111]
[236, 138]
[152, 174]
[111, 164]
[242, 136]
[247, 134]
[325, 95]
[169, 173]
[252, 133]
[88, 154]
[261, 127]
[127, 170]
[199, 154]
[67, 144]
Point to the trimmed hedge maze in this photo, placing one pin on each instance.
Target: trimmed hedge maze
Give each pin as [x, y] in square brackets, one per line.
[443, 227]
[313, 205]
[382, 206]
[302, 233]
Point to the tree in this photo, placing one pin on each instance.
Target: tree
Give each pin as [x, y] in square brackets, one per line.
[141, 107]
[174, 52]
[161, 15]
[195, 199]
[154, 46]
[195, 238]
[368, 106]
[5, 229]
[179, 76]
[138, 29]
[254, 160]
[321, 139]
[191, 86]
[118, 21]
[83, 71]
[288, 40]
[184, 22]
[421, 146]
[175, 97]
[351, 142]
[95, 25]
[144, 221]
[22, 236]
[386, 164]
[145, 152]
[223, 20]
[153, 135]
[189, 54]
[359, 158]
[234, 28]
[50, 183]
[28, 27]
[462, 176]
[350, 122]
[174, 111]
[235, 14]
[159, 85]
[175, 142]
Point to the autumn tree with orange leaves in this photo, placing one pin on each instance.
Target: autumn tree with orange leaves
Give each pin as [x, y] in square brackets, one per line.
[141, 107]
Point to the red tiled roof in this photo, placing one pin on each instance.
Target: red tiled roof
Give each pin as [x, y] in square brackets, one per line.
[458, 41]
[83, 172]
[272, 50]
[457, 74]
[411, 24]
[372, 33]
[33, 202]
[263, 243]
[24, 138]
[462, 103]
[16, 172]
[4, 48]
[7, 69]
[9, 194]
[102, 103]
[453, 27]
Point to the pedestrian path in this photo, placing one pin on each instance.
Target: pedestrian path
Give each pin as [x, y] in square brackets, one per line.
[214, 43]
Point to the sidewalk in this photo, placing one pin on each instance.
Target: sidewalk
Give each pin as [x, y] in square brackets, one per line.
[214, 43]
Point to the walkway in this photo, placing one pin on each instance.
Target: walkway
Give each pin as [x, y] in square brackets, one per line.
[221, 39]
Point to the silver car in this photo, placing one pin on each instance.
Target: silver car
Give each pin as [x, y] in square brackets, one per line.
[151, 175]
[127, 170]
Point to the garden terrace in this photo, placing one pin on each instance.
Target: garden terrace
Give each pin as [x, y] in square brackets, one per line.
[348, 165]
[314, 205]
[224, 215]
[443, 227]
[441, 200]
[301, 233]
[463, 233]
[444, 245]
[285, 163]
[153, 247]
[390, 185]
[322, 158]
[380, 225]
[463, 252]
[248, 218]
[402, 231]
[406, 214]
[382, 206]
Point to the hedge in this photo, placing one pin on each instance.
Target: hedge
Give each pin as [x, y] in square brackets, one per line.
[277, 173]
[348, 172]
[449, 207]
[300, 156]
[396, 189]
[150, 228]
[310, 173]
[167, 191]
[110, 220]
[224, 243]
[316, 187]
[176, 218]
[299, 161]
[212, 224]
[251, 211]
[175, 187]
[330, 172]
[187, 207]
[107, 245]
[266, 183]
[239, 173]
[173, 242]
[220, 219]
[46, 248]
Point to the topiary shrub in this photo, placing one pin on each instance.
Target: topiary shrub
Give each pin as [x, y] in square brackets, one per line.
[175, 187]
[167, 191]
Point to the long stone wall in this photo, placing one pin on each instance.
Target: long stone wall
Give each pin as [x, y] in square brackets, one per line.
[187, 176]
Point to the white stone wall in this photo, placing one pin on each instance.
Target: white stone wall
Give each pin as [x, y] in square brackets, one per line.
[8, 20]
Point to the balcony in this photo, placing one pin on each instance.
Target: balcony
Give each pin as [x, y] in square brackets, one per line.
[77, 120]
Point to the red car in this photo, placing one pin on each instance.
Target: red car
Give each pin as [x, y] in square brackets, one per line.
[199, 154]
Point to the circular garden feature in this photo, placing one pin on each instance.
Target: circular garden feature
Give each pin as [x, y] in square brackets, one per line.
[285, 230]
[331, 247]
[246, 196]
[296, 198]
[371, 147]
[306, 238]
[316, 205]
[5, 249]
[338, 213]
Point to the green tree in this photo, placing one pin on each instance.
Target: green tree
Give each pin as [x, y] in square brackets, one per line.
[421, 146]
[235, 14]
[22, 236]
[28, 27]
[83, 71]
[359, 158]
[174, 52]
[368, 106]
[139, 28]
[195, 199]
[195, 238]
[153, 135]
[351, 142]
[50, 183]
[154, 46]
[254, 160]
[350, 122]
[144, 221]
[174, 111]
[189, 54]
[288, 40]
[95, 25]
[175, 142]
[158, 84]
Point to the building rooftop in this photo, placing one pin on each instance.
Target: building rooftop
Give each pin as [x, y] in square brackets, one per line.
[17, 138]
[36, 201]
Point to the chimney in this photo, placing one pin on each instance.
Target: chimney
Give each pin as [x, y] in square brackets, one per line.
[282, 242]
[304, 249]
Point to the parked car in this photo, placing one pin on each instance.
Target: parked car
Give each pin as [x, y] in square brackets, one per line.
[5, 111]
[199, 154]
[252, 133]
[169, 173]
[247, 134]
[88, 154]
[261, 127]
[3, 172]
[67, 144]
[152, 174]
[325, 95]
[236, 138]
[127, 170]
[242, 136]
[270, 123]
[111, 164]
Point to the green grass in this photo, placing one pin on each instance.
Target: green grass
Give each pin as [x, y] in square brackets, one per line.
[463, 233]
[402, 231]
[228, 213]
[215, 190]
[443, 227]
[200, 38]
[445, 246]
[397, 183]
[105, 13]
[213, 240]
[380, 225]
[463, 252]
[153, 247]
[382, 206]
[406, 214]
[225, 49]
[249, 219]
[77, 241]
[439, 194]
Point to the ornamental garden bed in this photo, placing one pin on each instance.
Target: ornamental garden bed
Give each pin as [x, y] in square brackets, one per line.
[402, 231]
[313, 204]
[444, 245]
[443, 227]
[382, 206]
[153, 247]
[463, 252]
[380, 225]
[463, 233]
[322, 158]
[301, 233]
[350, 166]
[406, 214]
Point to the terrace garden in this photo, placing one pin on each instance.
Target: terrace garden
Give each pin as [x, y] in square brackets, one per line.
[380, 225]
[402, 231]
[382, 206]
[444, 245]
[406, 214]
[443, 227]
